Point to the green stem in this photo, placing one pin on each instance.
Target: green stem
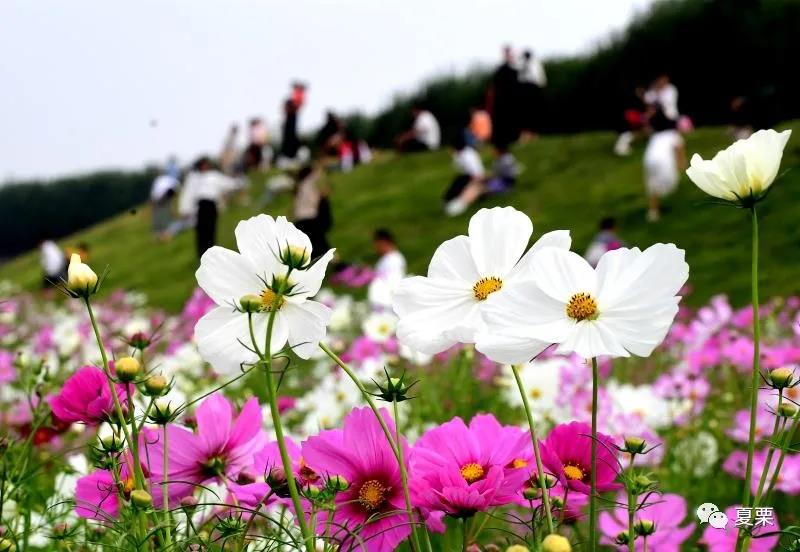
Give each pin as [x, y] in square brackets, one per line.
[165, 491]
[536, 453]
[395, 446]
[464, 535]
[631, 514]
[593, 495]
[770, 453]
[266, 359]
[404, 475]
[785, 443]
[751, 444]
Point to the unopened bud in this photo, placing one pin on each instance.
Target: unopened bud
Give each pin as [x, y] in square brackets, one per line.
[141, 498]
[532, 493]
[781, 378]
[622, 538]
[250, 303]
[517, 548]
[635, 445]
[338, 484]
[139, 341]
[60, 530]
[189, 502]
[245, 477]
[276, 479]
[7, 545]
[295, 256]
[312, 491]
[645, 527]
[127, 368]
[81, 279]
[556, 543]
[641, 484]
[155, 386]
[162, 412]
[787, 410]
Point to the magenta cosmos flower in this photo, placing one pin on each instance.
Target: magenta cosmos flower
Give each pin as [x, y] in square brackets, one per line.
[666, 511]
[724, 540]
[96, 495]
[222, 446]
[86, 397]
[459, 470]
[373, 506]
[567, 454]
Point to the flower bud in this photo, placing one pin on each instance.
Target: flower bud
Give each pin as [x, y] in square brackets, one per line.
[7, 545]
[787, 410]
[80, 278]
[641, 484]
[139, 341]
[245, 477]
[141, 498]
[162, 412]
[312, 491]
[276, 479]
[250, 303]
[295, 257]
[645, 527]
[532, 493]
[60, 530]
[338, 484]
[622, 538]
[112, 443]
[189, 502]
[127, 368]
[781, 378]
[634, 445]
[556, 502]
[517, 548]
[556, 543]
[155, 386]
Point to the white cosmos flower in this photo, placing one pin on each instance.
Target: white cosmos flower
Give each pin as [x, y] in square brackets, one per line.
[444, 308]
[223, 334]
[379, 326]
[624, 306]
[745, 169]
[542, 382]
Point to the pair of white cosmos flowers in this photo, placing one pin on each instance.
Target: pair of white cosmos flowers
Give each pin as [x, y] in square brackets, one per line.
[486, 288]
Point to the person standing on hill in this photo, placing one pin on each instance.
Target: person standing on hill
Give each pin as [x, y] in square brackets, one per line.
[389, 270]
[502, 102]
[229, 156]
[290, 141]
[424, 135]
[664, 159]
[312, 210]
[663, 95]
[202, 197]
[532, 80]
[54, 263]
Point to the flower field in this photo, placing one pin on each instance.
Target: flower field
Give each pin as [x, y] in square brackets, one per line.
[515, 398]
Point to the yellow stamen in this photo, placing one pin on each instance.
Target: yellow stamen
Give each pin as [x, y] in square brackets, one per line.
[268, 298]
[472, 472]
[372, 495]
[582, 306]
[484, 287]
[535, 393]
[518, 463]
[574, 472]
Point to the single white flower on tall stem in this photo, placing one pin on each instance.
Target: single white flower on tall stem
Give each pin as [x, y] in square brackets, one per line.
[625, 306]
[743, 174]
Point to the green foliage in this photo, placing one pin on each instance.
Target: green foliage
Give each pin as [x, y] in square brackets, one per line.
[37, 210]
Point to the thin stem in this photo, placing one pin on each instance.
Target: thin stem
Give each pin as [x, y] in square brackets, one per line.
[395, 446]
[404, 475]
[536, 453]
[787, 439]
[751, 443]
[770, 453]
[464, 535]
[266, 359]
[593, 495]
[631, 511]
[165, 491]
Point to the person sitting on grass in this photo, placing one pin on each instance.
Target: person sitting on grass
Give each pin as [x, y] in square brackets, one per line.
[468, 185]
[424, 135]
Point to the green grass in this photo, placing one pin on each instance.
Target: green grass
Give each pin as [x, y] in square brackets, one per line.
[569, 182]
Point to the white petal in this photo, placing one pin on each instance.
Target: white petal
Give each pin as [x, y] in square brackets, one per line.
[453, 260]
[307, 324]
[509, 349]
[765, 150]
[435, 314]
[287, 233]
[641, 331]
[223, 338]
[557, 238]
[257, 241]
[226, 276]
[592, 339]
[310, 280]
[498, 237]
[560, 273]
[524, 310]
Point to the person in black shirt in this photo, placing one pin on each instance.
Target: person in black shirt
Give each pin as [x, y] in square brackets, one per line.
[503, 102]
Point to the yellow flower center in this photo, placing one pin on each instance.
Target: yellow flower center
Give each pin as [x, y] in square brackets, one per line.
[582, 306]
[268, 300]
[574, 472]
[517, 463]
[535, 393]
[484, 287]
[372, 495]
[472, 472]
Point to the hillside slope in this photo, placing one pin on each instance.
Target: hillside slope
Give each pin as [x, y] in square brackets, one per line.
[569, 182]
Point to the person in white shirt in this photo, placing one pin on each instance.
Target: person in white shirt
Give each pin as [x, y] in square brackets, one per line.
[424, 135]
[164, 188]
[204, 191]
[469, 183]
[664, 160]
[54, 262]
[663, 95]
[389, 270]
[532, 79]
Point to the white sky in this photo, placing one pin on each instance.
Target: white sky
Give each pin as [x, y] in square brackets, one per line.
[84, 80]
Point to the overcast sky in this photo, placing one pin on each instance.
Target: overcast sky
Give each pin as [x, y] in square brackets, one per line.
[90, 84]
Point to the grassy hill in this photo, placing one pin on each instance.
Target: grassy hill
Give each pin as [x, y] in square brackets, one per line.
[569, 182]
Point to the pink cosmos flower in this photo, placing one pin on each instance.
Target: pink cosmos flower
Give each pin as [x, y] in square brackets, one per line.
[566, 453]
[373, 506]
[223, 445]
[724, 540]
[7, 371]
[96, 494]
[788, 480]
[86, 397]
[460, 470]
[667, 512]
[740, 430]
